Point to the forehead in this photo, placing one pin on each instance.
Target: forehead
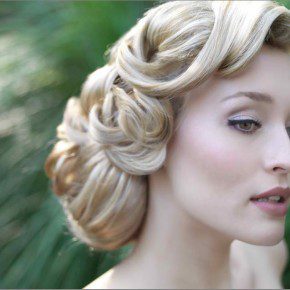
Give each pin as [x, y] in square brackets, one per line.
[267, 72]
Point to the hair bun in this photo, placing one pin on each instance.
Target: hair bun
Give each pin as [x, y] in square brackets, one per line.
[116, 133]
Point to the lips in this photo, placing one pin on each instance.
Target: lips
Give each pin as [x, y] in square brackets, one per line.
[273, 208]
[280, 191]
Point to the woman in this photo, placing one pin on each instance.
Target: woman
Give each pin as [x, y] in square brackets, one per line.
[171, 142]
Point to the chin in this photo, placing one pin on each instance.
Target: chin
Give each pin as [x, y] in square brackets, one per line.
[268, 240]
[266, 236]
[274, 240]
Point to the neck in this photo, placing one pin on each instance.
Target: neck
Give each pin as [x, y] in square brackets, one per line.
[174, 250]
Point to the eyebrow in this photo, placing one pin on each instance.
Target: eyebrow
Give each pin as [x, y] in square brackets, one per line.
[255, 96]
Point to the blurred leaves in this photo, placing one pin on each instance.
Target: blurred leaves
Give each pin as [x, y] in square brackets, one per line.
[47, 49]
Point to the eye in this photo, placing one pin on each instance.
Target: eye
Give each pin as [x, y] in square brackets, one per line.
[245, 124]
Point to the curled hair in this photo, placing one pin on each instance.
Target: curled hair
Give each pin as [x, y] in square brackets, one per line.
[115, 133]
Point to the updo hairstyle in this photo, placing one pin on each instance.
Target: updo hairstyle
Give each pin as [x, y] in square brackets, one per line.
[115, 133]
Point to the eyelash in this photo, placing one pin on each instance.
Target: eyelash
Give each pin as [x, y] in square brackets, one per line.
[242, 121]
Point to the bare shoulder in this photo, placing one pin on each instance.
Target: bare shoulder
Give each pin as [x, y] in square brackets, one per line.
[276, 255]
[266, 263]
[118, 277]
[101, 282]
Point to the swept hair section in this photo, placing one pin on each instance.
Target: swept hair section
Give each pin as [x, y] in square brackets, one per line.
[115, 133]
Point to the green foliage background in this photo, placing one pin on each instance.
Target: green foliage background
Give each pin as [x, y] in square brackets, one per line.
[47, 48]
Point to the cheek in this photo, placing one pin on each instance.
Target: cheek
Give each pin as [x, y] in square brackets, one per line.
[222, 157]
[211, 155]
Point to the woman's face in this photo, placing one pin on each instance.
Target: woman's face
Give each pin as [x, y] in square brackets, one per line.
[215, 168]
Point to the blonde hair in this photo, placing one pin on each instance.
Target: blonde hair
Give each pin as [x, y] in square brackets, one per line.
[115, 134]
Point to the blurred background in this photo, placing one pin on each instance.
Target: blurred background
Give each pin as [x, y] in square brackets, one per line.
[47, 49]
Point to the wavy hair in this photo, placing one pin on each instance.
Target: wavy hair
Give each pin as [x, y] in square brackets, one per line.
[115, 133]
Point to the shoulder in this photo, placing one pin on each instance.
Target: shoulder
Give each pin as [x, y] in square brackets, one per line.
[102, 282]
[118, 277]
[279, 254]
[266, 263]
[275, 257]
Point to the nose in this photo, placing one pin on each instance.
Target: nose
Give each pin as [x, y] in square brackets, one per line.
[280, 161]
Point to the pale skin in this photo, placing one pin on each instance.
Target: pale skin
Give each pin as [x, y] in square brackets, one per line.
[252, 267]
[257, 267]
[199, 201]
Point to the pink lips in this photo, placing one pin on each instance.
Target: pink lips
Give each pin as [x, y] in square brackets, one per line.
[275, 209]
[272, 207]
[284, 192]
